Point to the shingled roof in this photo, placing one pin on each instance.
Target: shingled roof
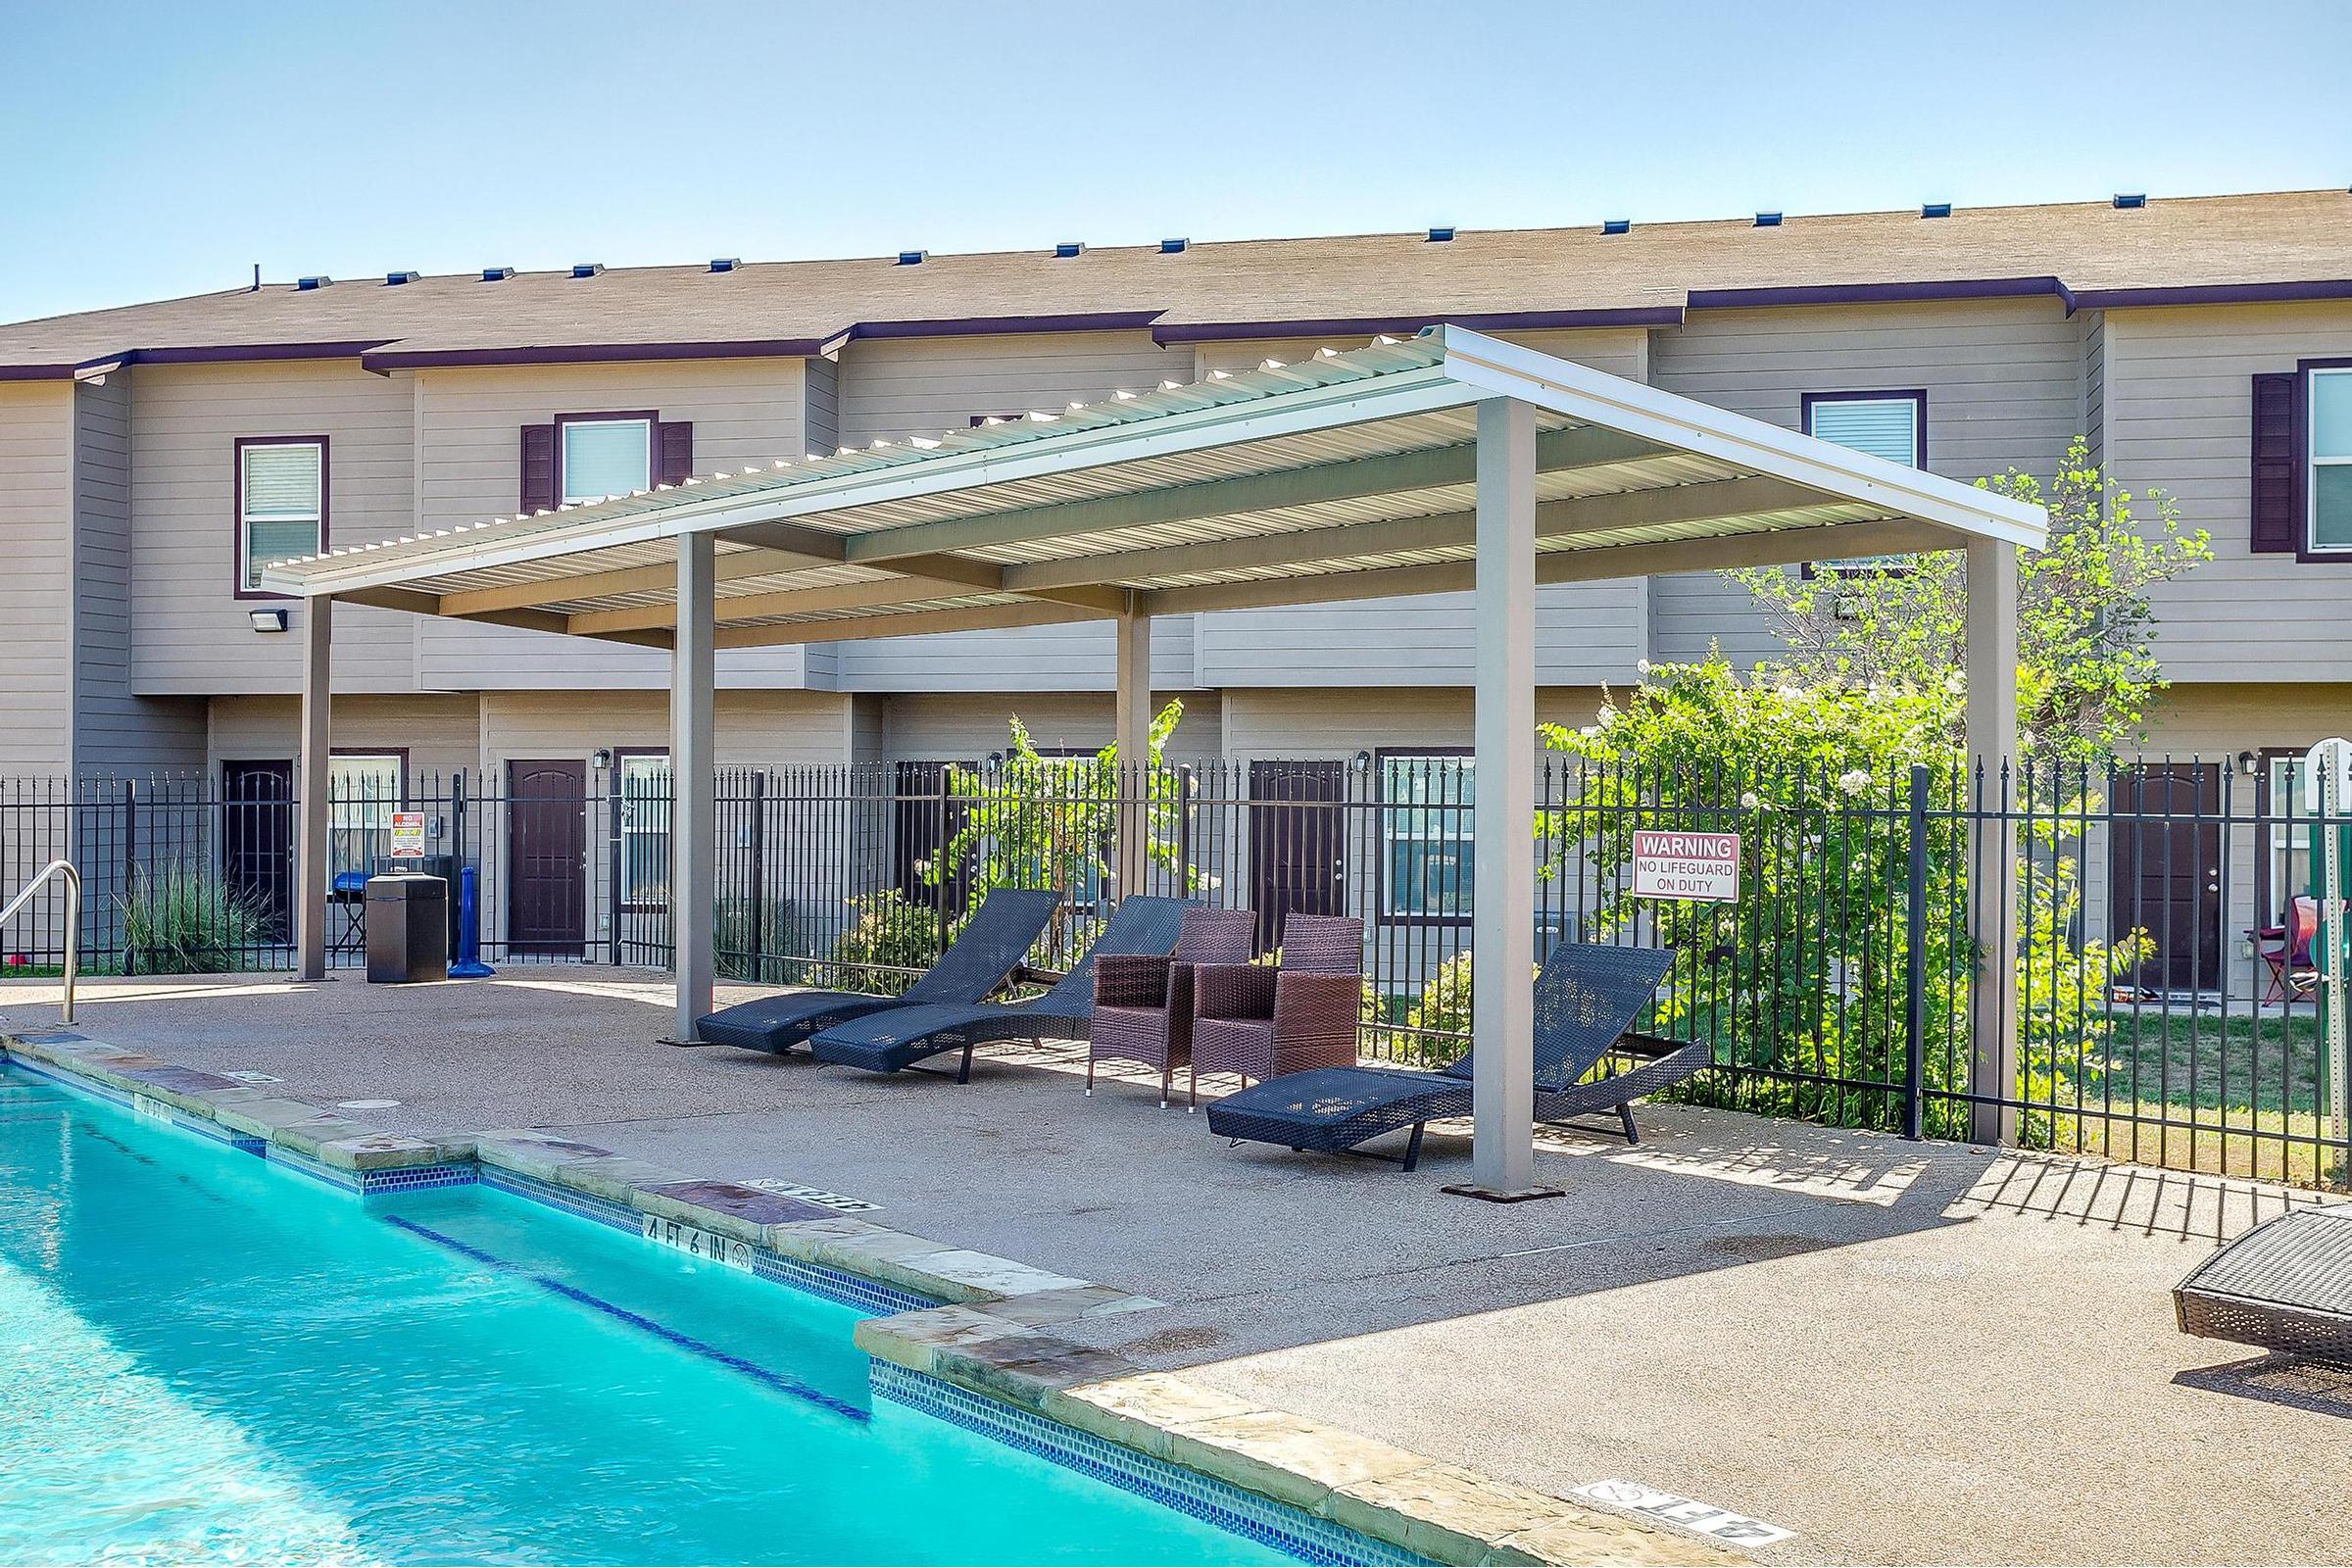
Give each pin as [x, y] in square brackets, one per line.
[2219, 249]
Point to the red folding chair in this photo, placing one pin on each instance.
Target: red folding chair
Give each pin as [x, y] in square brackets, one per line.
[2294, 973]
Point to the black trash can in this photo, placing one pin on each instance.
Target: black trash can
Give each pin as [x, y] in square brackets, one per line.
[444, 866]
[408, 929]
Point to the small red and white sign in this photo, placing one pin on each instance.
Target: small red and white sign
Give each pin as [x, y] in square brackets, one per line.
[1702, 866]
[408, 835]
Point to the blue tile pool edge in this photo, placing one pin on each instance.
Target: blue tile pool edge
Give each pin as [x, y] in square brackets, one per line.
[1231, 1508]
[1287, 1529]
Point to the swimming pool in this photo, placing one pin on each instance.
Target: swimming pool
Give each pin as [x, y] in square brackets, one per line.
[206, 1356]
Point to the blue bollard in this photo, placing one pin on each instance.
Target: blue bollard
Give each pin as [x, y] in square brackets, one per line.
[470, 964]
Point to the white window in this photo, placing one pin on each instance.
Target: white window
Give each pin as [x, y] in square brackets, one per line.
[1881, 425]
[601, 458]
[363, 793]
[1889, 425]
[2331, 478]
[282, 505]
[644, 795]
[2291, 833]
[1425, 838]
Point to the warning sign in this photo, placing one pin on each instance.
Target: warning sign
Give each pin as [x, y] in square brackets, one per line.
[408, 835]
[1686, 865]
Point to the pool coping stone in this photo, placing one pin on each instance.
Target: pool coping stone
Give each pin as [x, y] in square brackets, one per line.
[988, 1335]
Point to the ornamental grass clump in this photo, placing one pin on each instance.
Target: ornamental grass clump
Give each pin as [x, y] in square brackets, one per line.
[179, 918]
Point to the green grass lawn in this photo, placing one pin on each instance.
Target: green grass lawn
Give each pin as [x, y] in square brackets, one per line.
[2239, 1096]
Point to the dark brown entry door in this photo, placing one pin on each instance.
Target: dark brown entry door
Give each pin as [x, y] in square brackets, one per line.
[2166, 877]
[926, 820]
[257, 840]
[1298, 842]
[546, 858]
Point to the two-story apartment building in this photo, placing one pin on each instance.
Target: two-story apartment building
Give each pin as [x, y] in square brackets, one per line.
[154, 457]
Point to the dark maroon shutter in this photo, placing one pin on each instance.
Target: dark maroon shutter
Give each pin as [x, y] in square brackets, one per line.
[538, 468]
[673, 451]
[2278, 499]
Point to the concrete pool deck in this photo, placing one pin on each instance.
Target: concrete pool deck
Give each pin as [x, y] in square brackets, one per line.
[1902, 1353]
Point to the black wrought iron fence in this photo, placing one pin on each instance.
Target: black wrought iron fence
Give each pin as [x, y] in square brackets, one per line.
[2166, 984]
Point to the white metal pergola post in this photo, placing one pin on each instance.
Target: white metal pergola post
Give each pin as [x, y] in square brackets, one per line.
[1134, 735]
[1502, 902]
[313, 784]
[693, 785]
[1993, 912]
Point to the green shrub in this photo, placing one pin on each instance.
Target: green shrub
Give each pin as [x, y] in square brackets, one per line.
[747, 949]
[885, 928]
[1803, 978]
[186, 920]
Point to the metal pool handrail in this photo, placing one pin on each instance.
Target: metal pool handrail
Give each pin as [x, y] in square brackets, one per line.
[72, 919]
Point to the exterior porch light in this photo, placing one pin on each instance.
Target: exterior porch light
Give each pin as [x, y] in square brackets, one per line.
[268, 621]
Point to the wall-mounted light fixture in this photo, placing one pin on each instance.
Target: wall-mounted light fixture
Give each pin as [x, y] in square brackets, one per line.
[268, 621]
[603, 758]
[2249, 764]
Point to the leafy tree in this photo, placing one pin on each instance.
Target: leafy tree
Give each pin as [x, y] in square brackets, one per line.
[1804, 976]
[1037, 821]
[2086, 653]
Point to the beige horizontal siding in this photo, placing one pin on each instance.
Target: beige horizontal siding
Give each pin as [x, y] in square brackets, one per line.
[2179, 396]
[1584, 631]
[115, 731]
[1278, 725]
[2003, 379]
[441, 732]
[469, 424]
[764, 728]
[891, 389]
[36, 617]
[928, 726]
[190, 635]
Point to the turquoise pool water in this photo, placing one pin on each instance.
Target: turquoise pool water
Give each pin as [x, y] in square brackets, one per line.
[203, 1357]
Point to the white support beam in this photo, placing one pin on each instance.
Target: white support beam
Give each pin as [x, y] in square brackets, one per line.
[880, 593]
[1993, 912]
[694, 787]
[1663, 507]
[1764, 548]
[1504, 877]
[313, 784]
[906, 624]
[656, 577]
[1426, 469]
[1132, 731]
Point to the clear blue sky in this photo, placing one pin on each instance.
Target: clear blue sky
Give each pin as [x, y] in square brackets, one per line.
[149, 149]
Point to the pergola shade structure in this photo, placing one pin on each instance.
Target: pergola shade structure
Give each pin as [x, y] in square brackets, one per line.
[1451, 461]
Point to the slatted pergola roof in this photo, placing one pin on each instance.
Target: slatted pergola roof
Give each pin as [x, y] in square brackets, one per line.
[1346, 475]
[1451, 461]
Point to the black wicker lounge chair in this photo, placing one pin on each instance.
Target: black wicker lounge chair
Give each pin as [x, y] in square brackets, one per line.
[981, 958]
[897, 1039]
[2285, 1286]
[1585, 999]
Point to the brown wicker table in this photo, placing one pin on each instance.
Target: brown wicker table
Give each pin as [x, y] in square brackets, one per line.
[2286, 1285]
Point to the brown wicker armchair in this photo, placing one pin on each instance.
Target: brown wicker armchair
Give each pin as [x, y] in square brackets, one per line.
[1144, 1003]
[1263, 1022]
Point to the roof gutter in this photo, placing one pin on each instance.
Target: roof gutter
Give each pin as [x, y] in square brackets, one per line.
[2094, 299]
[373, 355]
[1643, 315]
[1976, 288]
